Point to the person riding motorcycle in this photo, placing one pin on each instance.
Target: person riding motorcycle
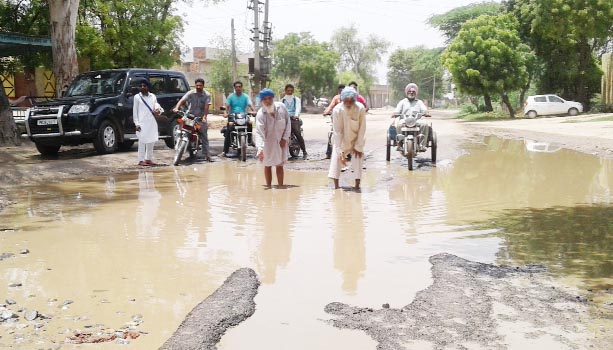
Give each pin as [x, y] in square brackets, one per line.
[335, 101]
[406, 107]
[294, 106]
[238, 102]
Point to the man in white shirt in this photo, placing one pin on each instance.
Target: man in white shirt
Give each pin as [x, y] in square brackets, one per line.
[144, 112]
[406, 107]
[349, 120]
[294, 106]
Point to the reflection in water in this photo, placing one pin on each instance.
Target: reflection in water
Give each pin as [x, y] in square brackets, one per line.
[149, 199]
[276, 214]
[505, 175]
[349, 249]
[571, 241]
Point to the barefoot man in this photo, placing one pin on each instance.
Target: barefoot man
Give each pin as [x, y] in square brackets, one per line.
[349, 121]
[273, 129]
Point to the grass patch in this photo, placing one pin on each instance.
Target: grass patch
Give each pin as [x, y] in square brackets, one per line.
[608, 118]
[484, 116]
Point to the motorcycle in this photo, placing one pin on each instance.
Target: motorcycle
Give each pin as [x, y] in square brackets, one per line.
[294, 146]
[330, 133]
[241, 133]
[187, 138]
[409, 138]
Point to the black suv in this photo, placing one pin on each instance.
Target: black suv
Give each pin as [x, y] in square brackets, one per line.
[97, 108]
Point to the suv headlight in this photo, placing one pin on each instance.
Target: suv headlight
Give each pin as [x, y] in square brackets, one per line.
[78, 109]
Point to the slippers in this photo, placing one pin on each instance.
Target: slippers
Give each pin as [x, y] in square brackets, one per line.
[143, 164]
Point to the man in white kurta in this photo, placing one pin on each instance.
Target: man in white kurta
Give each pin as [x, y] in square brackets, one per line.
[272, 132]
[349, 124]
[144, 111]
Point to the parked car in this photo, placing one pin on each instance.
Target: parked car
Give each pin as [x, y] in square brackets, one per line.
[550, 105]
[97, 108]
[321, 102]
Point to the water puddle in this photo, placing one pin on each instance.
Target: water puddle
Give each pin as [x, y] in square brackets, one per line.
[154, 244]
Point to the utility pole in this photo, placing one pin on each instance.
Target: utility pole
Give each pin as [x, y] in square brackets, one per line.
[266, 39]
[234, 68]
[433, 89]
[261, 37]
[256, 41]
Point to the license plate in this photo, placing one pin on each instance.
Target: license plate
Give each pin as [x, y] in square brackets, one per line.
[46, 122]
[409, 129]
[189, 122]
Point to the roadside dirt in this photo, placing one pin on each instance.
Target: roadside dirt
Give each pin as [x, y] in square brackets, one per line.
[476, 306]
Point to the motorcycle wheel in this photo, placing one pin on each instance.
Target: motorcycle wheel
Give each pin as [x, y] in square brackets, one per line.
[329, 149]
[191, 149]
[434, 148]
[409, 152]
[243, 144]
[294, 149]
[388, 149]
[180, 148]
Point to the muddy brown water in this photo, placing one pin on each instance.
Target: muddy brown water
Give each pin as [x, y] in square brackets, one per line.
[156, 243]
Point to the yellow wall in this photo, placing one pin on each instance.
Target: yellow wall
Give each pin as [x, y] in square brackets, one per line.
[45, 82]
[8, 83]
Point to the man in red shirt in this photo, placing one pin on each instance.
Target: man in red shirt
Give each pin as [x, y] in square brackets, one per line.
[335, 101]
[360, 98]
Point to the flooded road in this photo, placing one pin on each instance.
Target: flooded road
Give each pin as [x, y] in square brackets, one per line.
[156, 243]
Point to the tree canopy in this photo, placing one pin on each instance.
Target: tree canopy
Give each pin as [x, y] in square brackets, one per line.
[488, 58]
[129, 33]
[299, 58]
[418, 65]
[565, 35]
[359, 55]
[450, 23]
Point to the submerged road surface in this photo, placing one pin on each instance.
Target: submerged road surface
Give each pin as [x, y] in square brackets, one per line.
[137, 251]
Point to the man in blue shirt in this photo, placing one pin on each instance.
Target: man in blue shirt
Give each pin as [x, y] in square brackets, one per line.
[238, 102]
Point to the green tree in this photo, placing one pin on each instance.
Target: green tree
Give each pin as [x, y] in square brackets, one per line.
[299, 58]
[564, 35]
[220, 73]
[130, 33]
[487, 58]
[450, 23]
[359, 55]
[419, 65]
[29, 18]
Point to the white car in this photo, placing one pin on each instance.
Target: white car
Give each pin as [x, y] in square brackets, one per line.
[550, 105]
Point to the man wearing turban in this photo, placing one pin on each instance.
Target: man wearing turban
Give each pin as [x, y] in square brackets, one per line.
[144, 113]
[349, 124]
[272, 131]
[406, 107]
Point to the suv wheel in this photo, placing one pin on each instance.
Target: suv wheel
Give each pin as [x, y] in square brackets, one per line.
[106, 140]
[47, 150]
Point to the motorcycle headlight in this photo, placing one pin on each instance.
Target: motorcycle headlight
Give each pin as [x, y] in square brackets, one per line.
[410, 122]
[241, 121]
[78, 109]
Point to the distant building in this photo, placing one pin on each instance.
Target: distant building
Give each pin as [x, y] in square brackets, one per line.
[197, 63]
[379, 96]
